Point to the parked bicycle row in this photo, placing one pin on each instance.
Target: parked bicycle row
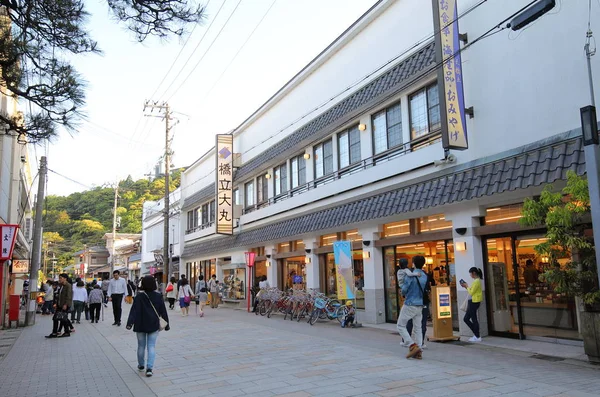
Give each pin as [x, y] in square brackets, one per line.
[298, 305]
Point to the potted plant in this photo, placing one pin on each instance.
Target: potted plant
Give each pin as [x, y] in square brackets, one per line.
[570, 251]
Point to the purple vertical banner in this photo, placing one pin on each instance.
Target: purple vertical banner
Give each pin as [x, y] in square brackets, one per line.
[450, 79]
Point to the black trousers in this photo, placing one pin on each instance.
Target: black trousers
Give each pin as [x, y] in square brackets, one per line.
[57, 325]
[117, 301]
[95, 311]
[171, 302]
[471, 317]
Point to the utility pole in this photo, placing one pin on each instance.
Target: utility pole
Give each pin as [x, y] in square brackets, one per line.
[114, 230]
[164, 107]
[37, 244]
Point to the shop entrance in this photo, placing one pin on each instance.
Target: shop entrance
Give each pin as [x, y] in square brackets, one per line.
[328, 274]
[520, 303]
[292, 274]
[439, 256]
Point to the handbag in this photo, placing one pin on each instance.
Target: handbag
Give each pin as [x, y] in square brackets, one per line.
[162, 323]
[464, 305]
[186, 298]
[169, 288]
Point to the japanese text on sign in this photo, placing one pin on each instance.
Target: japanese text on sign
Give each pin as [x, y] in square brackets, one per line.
[455, 127]
[224, 184]
[8, 233]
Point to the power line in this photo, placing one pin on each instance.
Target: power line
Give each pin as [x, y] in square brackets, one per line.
[424, 74]
[195, 49]
[240, 49]
[71, 179]
[179, 54]
[205, 52]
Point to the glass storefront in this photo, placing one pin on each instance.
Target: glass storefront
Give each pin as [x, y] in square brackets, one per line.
[439, 256]
[293, 273]
[520, 302]
[234, 282]
[328, 264]
[260, 270]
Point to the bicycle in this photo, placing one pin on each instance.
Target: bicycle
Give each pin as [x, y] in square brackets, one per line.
[326, 307]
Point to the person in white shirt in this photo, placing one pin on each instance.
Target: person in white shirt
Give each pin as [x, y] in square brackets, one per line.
[116, 290]
[80, 297]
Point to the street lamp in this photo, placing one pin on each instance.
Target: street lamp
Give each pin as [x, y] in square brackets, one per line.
[589, 125]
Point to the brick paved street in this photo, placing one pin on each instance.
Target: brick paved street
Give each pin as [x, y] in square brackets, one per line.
[231, 353]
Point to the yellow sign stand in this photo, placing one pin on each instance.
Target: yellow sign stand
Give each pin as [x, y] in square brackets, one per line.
[441, 314]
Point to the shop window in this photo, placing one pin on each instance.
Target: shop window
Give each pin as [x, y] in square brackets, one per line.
[349, 147]
[387, 128]
[323, 154]
[298, 171]
[504, 214]
[425, 112]
[249, 194]
[433, 223]
[351, 235]
[394, 229]
[259, 251]
[280, 179]
[192, 220]
[359, 281]
[262, 189]
[234, 284]
[283, 247]
[328, 239]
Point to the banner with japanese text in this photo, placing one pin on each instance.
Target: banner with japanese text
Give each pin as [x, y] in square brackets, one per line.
[224, 184]
[344, 271]
[8, 234]
[450, 80]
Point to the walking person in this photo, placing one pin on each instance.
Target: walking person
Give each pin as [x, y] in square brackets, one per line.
[147, 307]
[213, 287]
[201, 294]
[426, 304]
[185, 295]
[95, 300]
[414, 290]
[171, 292]
[117, 288]
[63, 303]
[104, 285]
[80, 298]
[48, 298]
[263, 284]
[476, 294]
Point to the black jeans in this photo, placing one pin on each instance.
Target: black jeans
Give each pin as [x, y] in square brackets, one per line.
[95, 311]
[409, 324]
[471, 317]
[171, 303]
[117, 301]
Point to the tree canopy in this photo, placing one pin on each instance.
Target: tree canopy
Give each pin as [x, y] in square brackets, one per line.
[38, 36]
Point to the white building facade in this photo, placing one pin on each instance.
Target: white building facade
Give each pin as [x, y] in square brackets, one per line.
[153, 236]
[368, 166]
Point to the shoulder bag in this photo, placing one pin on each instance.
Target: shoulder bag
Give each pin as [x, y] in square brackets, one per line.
[426, 300]
[162, 323]
[186, 296]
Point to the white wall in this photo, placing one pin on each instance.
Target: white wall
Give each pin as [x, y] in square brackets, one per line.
[528, 85]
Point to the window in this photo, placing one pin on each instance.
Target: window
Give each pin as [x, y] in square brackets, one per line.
[506, 214]
[211, 217]
[401, 228]
[349, 147]
[249, 194]
[298, 165]
[262, 189]
[236, 197]
[280, 179]
[192, 219]
[433, 223]
[387, 128]
[425, 112]
[323, 159]
[205, 215]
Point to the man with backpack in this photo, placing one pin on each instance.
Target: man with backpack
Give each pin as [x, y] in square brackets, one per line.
[414, 291]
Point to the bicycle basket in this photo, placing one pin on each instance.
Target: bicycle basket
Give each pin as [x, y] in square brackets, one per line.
[320, 303]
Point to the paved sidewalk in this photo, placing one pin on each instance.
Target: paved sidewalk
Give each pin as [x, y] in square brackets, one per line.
[233, 353]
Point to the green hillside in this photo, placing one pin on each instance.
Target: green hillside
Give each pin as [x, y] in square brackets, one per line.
[82, 218]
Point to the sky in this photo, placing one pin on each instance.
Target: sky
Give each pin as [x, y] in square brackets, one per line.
[208, 93]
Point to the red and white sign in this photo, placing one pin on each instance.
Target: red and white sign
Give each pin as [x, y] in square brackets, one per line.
[7, 240]
[250, 256]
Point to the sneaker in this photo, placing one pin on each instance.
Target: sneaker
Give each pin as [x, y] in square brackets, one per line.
[474, 339]
[423, 346]
[140, 368]
[149, 372]
[413, 350]
[405, 344]
[418, 356]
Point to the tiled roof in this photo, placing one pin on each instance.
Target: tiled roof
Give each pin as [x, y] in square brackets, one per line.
[542, 165]
[199, 196]
[395, 79]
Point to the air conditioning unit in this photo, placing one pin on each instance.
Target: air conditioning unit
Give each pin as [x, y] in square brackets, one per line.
[237, 211]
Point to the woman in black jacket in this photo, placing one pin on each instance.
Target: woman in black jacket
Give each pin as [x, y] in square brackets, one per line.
[147, 306]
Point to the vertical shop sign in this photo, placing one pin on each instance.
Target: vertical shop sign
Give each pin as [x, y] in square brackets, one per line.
[342, 252]
[224, 184]
[444, 309]
[7, 240]
[450, 78]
